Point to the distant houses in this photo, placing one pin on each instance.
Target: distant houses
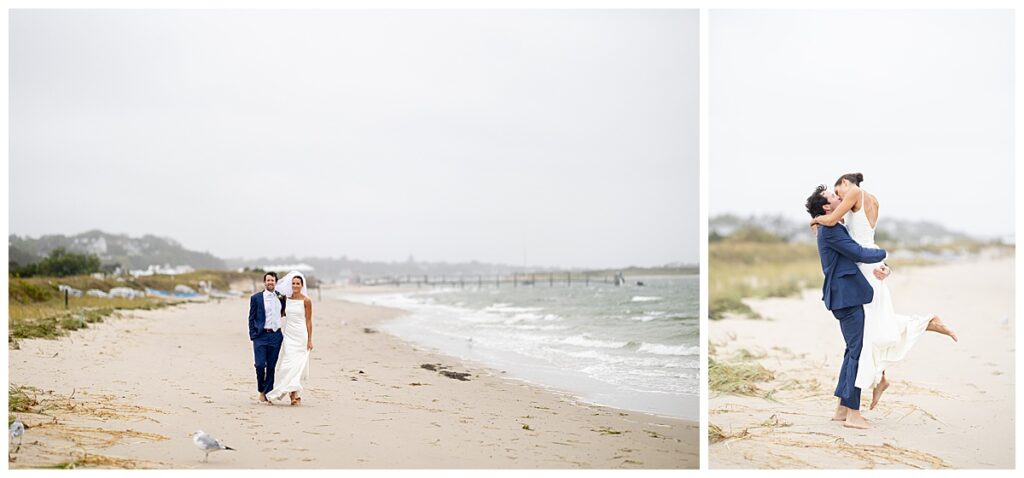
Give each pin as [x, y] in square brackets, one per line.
[165, 269]
[301, 267]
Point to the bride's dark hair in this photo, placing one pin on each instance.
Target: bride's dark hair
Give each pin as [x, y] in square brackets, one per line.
[301, 282]
[854, 178]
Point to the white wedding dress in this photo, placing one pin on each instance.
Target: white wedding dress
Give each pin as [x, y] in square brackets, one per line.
[293, 364]
[888, 336]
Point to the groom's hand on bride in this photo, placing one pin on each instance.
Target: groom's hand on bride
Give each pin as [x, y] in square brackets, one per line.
[882, 272]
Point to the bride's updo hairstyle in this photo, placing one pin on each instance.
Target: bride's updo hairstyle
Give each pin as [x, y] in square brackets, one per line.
[853, 178]
[301, 281]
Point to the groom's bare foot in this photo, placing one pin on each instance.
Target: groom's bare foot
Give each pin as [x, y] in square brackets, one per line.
[840, 415]
[877, 394]
[263, 397]
[855, 420]
[936, 325]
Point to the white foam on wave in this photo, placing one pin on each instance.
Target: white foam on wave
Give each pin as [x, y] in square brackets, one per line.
[661, 349]
[583, 341]
[631, 362]
[643, 318]
[541, 327]
[644, 298]
[503, 307]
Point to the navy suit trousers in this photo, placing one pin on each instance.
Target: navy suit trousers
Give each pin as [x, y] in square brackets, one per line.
[851, 322]
[266, 347]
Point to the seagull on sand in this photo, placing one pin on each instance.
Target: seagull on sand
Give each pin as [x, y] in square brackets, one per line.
[208, 444]
[16, 431]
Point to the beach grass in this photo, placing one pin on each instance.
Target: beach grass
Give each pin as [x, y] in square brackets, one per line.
[49, 319]
[93, 460]
[741, 270]
[738, 377]
[716, 434]
[37, 307]
[36, 289]
[744, 270]
[19, 400]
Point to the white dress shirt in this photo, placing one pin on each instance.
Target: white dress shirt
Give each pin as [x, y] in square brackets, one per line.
[273, 308]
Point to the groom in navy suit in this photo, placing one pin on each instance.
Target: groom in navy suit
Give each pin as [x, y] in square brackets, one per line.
[845, 292]
[265, 311]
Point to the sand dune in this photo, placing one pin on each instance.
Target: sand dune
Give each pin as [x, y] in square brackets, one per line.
[950, 406]
[128, 392]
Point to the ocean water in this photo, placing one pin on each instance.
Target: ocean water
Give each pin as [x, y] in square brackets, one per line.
[632, 347]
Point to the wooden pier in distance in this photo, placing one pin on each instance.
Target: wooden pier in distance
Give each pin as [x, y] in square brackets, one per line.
[550, 279]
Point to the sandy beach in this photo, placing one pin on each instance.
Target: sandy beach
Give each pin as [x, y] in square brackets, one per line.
[128, 393]
[949, 406]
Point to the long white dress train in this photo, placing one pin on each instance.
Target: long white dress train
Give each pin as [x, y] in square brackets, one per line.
[888, 336]
[293, 364]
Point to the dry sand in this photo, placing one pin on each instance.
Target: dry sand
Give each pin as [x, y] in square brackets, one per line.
[130, 391]
[950, 405]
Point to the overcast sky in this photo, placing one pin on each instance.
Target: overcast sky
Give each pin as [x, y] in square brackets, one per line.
[921, 102]
[568, 135]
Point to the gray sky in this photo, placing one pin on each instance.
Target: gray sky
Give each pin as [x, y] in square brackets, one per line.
[449, 135]
[921, 102]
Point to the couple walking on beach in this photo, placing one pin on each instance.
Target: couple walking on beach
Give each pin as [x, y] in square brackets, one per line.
[281, 324]
[876, 336]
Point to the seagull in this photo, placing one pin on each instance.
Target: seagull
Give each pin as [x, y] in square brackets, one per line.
[208, 444]
[16, 431]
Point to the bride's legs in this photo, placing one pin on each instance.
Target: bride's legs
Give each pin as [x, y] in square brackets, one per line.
[879, 389]
[936, 325]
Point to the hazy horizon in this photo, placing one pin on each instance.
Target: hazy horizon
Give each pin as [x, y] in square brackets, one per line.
[547, 138]
[344, 256]
[919, 101]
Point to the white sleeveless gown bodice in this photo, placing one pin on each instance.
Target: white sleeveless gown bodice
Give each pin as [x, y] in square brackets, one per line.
[888, 336]
[293, 364]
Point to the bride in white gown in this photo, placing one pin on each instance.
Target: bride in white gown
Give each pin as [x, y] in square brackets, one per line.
[293, 365]
[888, 336]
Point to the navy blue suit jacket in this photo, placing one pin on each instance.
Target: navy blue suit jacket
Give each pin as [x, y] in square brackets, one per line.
[258, 314]
[844, 286]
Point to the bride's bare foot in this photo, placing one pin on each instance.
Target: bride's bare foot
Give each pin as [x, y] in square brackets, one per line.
[936, 325]
[879, 389]
[855, 420]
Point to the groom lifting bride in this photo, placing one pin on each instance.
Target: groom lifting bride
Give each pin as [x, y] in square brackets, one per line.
[875, 335]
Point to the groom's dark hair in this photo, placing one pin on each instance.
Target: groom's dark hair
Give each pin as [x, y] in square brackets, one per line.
[817, 201]
[272, 274]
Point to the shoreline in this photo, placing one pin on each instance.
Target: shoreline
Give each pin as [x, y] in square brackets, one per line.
[367, 394]
[529, 370]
